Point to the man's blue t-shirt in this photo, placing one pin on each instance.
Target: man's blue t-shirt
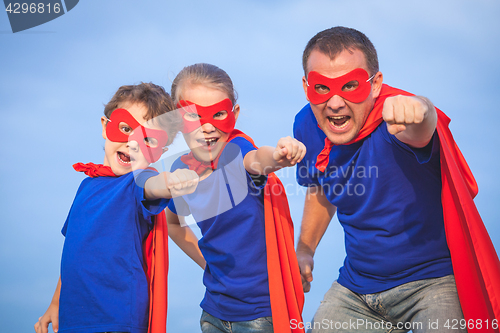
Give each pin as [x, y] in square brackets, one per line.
[388, 199]
[103, 283]
[228, 207]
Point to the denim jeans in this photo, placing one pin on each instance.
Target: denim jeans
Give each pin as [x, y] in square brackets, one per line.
[211, 324]
[429, 305]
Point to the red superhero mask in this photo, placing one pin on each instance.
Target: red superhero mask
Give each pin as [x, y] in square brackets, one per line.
[195, 115]
[122, 127]
[353, 86]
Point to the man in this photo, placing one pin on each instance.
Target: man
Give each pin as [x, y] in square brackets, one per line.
[373, 153]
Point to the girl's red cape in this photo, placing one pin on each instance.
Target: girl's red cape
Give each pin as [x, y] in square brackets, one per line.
[285, 283]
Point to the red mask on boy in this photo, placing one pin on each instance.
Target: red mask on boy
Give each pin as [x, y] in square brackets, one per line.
[356, 95]
[151, 141]
[206, 115]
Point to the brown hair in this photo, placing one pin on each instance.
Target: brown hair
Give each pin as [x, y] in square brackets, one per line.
[204, 74]
[156, 100]
[334, 40]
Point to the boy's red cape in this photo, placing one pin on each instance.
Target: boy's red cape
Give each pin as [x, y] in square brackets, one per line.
[155, 248]
[285, 284]
[475, 263]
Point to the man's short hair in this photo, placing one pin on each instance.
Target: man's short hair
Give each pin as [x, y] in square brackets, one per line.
[337, 39]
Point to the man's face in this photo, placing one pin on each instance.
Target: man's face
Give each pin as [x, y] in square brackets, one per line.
[340, 119]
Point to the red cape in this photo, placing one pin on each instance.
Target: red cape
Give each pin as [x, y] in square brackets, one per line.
[285, 284]
[475, 263]
[155, 250]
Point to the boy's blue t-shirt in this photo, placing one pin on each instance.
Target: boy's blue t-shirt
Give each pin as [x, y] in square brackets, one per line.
[388, 199]
[228, 207]
[103, 283]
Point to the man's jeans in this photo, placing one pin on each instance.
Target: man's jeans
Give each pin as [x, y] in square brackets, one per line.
[211, 324]
[429, 305]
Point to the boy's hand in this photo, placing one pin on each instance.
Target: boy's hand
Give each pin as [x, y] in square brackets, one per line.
[289, 151]
[181, 182]
[50, 316]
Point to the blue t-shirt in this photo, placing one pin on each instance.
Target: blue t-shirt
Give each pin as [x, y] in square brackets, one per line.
[228, 207]
[103, 283]
[388, 199]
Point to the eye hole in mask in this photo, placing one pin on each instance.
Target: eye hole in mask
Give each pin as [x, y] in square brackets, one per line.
[353, 86]
[220, 115]
[122, 127]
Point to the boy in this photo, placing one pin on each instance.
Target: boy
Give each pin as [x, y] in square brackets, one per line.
[103, 285]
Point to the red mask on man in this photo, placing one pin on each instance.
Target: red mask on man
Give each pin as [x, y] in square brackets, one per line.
[353, 86]
[122, 127]
[195, 115]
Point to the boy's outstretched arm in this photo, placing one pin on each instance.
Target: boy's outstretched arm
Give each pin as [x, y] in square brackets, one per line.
[51, 315]
[185, 238]
[266, 159]
[171, 184]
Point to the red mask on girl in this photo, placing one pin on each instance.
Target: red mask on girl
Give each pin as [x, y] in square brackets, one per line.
[359, 91]
[194, 115]
[151, 141]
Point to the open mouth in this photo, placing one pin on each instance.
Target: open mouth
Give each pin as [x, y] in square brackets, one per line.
[339, 122]
[208, 142]
[124, 158]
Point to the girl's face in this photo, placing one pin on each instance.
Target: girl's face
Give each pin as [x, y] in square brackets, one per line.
[206, 142]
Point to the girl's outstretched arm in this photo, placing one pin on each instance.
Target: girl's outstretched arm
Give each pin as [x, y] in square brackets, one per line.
[266, 159]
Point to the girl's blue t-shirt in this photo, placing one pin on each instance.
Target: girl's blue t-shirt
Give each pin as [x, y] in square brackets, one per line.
[228, 207]
[103, 283]
[388, 199]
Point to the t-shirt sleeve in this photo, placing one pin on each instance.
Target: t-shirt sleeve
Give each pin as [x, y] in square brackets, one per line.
[65, 226]
[423, 155]
[306, 173]
[244, 146]
[149, 207]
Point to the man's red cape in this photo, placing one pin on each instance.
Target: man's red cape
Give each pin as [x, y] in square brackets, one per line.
[285, 284]
[155, 248]
[475, 263]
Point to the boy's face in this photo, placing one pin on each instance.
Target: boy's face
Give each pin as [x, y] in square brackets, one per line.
[124, 157]
[206, 141]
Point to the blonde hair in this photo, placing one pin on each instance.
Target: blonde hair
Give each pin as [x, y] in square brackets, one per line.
[203, 74]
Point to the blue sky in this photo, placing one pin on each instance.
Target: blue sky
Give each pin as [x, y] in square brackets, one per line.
[55, 78]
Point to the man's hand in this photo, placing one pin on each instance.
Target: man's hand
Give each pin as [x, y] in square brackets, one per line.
[306, 265]
[401, 111]
[289, 151]
[50, 316]
[181, 182]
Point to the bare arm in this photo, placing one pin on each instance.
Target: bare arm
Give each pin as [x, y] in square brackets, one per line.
[171, 184]
[318, 212]
[51, 315]
[412, 119]
[266, 159]
[185, 238]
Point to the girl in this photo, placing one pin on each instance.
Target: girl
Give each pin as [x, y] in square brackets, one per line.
[251, 273]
